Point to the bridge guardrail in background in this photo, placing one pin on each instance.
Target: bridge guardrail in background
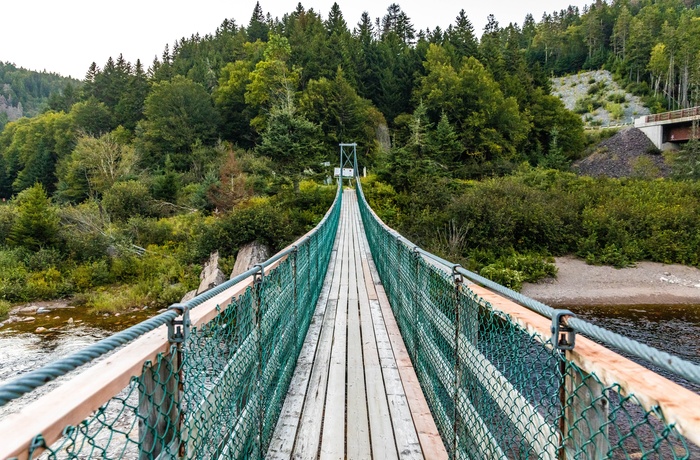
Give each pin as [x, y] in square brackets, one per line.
[497, 385]
[674, 115]
[205, 382]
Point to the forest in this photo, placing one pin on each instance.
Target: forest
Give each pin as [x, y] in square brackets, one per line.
[26, 93]
[125, 182]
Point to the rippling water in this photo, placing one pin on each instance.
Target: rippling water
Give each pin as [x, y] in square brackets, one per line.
[674, 329]
[22, 350]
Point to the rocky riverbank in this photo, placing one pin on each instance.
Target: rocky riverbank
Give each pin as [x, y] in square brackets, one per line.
[578, 283]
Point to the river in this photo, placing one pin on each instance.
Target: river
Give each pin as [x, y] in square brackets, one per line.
[674, 329]
[67, 330]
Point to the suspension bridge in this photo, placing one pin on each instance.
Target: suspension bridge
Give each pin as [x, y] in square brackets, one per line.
[355, 343]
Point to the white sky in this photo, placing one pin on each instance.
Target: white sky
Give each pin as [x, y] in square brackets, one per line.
[66, 36]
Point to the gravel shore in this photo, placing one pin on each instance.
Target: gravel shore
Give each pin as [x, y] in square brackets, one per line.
[578, 283]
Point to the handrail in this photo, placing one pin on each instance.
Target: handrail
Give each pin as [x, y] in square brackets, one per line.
[76, 399]
[673, 115]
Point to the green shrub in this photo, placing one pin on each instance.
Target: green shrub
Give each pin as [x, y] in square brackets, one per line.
[127, 199]
[616, 111]
[43, 259]
[5, 307]
[617, 98]
[537, 211]
[644, 168]
[89, 275]
[596, 88]
[507, 277]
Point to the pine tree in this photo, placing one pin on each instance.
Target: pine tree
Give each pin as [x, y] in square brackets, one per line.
[444, 143]
[292, 142]
[258, 28]
[36, 225]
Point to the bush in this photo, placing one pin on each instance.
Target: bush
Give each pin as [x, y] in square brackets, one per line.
[507, 277]
[509, 222]
[596, 88]
[616, 110]
[89, 275]
[5, 307]
[587, 104]
[617, 98]
[127, 199]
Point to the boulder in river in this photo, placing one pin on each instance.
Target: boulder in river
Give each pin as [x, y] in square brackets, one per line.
[211, 275]
[248, 256]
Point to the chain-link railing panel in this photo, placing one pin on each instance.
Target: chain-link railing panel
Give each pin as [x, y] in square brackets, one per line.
[497, 390]
[218, 394]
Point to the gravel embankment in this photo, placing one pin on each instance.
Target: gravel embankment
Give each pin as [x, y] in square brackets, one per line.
[578, 283]
[575, 87]
[625, 154]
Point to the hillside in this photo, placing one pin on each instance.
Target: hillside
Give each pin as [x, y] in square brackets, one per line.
[26, 92]
[598, 99]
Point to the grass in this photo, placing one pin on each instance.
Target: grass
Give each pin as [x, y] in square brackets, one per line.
[4, 308]
[116, 299]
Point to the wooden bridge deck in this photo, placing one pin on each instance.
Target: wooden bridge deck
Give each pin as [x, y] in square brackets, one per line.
[354, 393]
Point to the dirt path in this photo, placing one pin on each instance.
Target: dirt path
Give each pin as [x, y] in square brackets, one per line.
[648, 283]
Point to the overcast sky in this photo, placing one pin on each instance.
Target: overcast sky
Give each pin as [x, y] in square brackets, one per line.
[66, 36]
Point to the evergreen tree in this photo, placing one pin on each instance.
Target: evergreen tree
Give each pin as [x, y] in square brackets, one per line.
[292, 142]
[36, 225]
[258, 28]
[461, 37]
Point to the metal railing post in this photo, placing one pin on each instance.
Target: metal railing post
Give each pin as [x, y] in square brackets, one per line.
[457, 280]
[160, 416]
[257, 293]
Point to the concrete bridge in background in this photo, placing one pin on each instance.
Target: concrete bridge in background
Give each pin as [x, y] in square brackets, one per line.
[669, 129]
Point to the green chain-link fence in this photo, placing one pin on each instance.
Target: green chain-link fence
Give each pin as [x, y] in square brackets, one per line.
[495, 389]
[219, 393]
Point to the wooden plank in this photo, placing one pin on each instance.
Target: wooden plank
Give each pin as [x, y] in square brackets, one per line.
[679, 405]
[471, 418]
[282, 444]
[386, 441]
[333, 440]
[242, 431]
[159, 393]
[308, 437]
[240, 367]
[357, 425]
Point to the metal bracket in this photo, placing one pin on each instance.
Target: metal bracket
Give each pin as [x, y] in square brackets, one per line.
[179, 329]
[563, 336]
[258, 277]
[416, 252]
[457, 276]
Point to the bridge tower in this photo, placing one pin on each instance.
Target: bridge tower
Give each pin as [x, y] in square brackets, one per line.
[348, 161]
